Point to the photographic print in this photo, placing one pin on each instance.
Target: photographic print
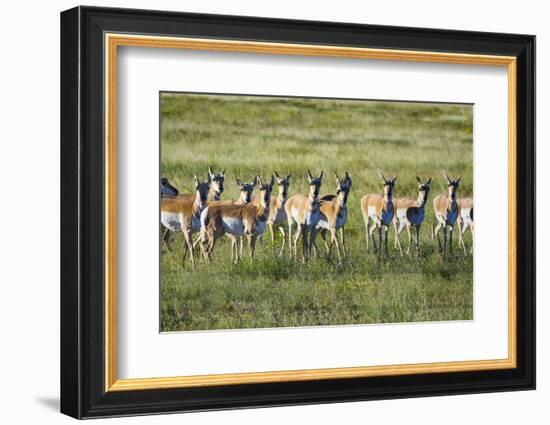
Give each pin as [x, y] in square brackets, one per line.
[288, 211]
[319, 228]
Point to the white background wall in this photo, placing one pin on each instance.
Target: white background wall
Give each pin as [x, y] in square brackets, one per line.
[29, 212]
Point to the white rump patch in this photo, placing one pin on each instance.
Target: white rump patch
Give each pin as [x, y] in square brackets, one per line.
[170, 220]
[233, 226]
[323, 222]
[401, 214]
[371, 211]
[294, 212]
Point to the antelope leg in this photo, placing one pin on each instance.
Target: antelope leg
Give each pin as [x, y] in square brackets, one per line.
[386, 239]
[270, 225]
[437, 227]
[451, 240]
[304, 242]
[298, 232]
[472, 231]
[342, 241]
[444, 241]
[462, 227]
[282, 230]
[379, 241]
[289, 238]
[397, 242]
[373, 227]
[189, 242]
[251, 244]
[167, 239]
[367, 233]
[334, 241]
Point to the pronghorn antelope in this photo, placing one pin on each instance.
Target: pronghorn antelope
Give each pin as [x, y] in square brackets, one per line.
[465, 220]
[216, 186]
[379, 208]
[410, 212]
[446, 213]
[245, 192]
[214, 194]
[236, 221]
[334, 214]
[166, 189]
[304, 211]
[277, 214]
[183, 214]
[245, 197]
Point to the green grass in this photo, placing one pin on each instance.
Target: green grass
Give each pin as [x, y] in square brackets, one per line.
[252, 135]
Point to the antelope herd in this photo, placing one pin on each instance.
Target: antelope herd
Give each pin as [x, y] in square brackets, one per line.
[306, 216]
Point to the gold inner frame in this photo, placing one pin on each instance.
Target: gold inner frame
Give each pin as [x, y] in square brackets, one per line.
[113, 41]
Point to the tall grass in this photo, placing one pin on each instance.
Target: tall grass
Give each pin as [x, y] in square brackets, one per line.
[247, 136]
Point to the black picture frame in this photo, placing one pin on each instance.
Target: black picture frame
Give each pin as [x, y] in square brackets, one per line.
[82, 212]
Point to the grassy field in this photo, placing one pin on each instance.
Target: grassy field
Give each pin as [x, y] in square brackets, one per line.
[247, 136]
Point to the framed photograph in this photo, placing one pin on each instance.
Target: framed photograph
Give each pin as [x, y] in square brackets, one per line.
[261, 212]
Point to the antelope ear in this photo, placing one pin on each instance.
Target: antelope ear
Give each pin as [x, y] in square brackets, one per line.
[288, 177]
[196, 179]
[382, 176]
[272, 181]
[257, 180]
[418, 180]
[429, 180]
[209, 177]
[210, 173]
[394, 179]
[310, 177]
[223, 172]
[336, 175]
[458, 180]
[276, 174]
[447, 177]
[321, 175]
[239, 182]
[347, 175]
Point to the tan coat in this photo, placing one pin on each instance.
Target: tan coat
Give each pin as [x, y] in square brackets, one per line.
[465, 205]
[303, 209]
[181, 213]
[408, 210]
[446, 211]
[234, 220]
[376, 207]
